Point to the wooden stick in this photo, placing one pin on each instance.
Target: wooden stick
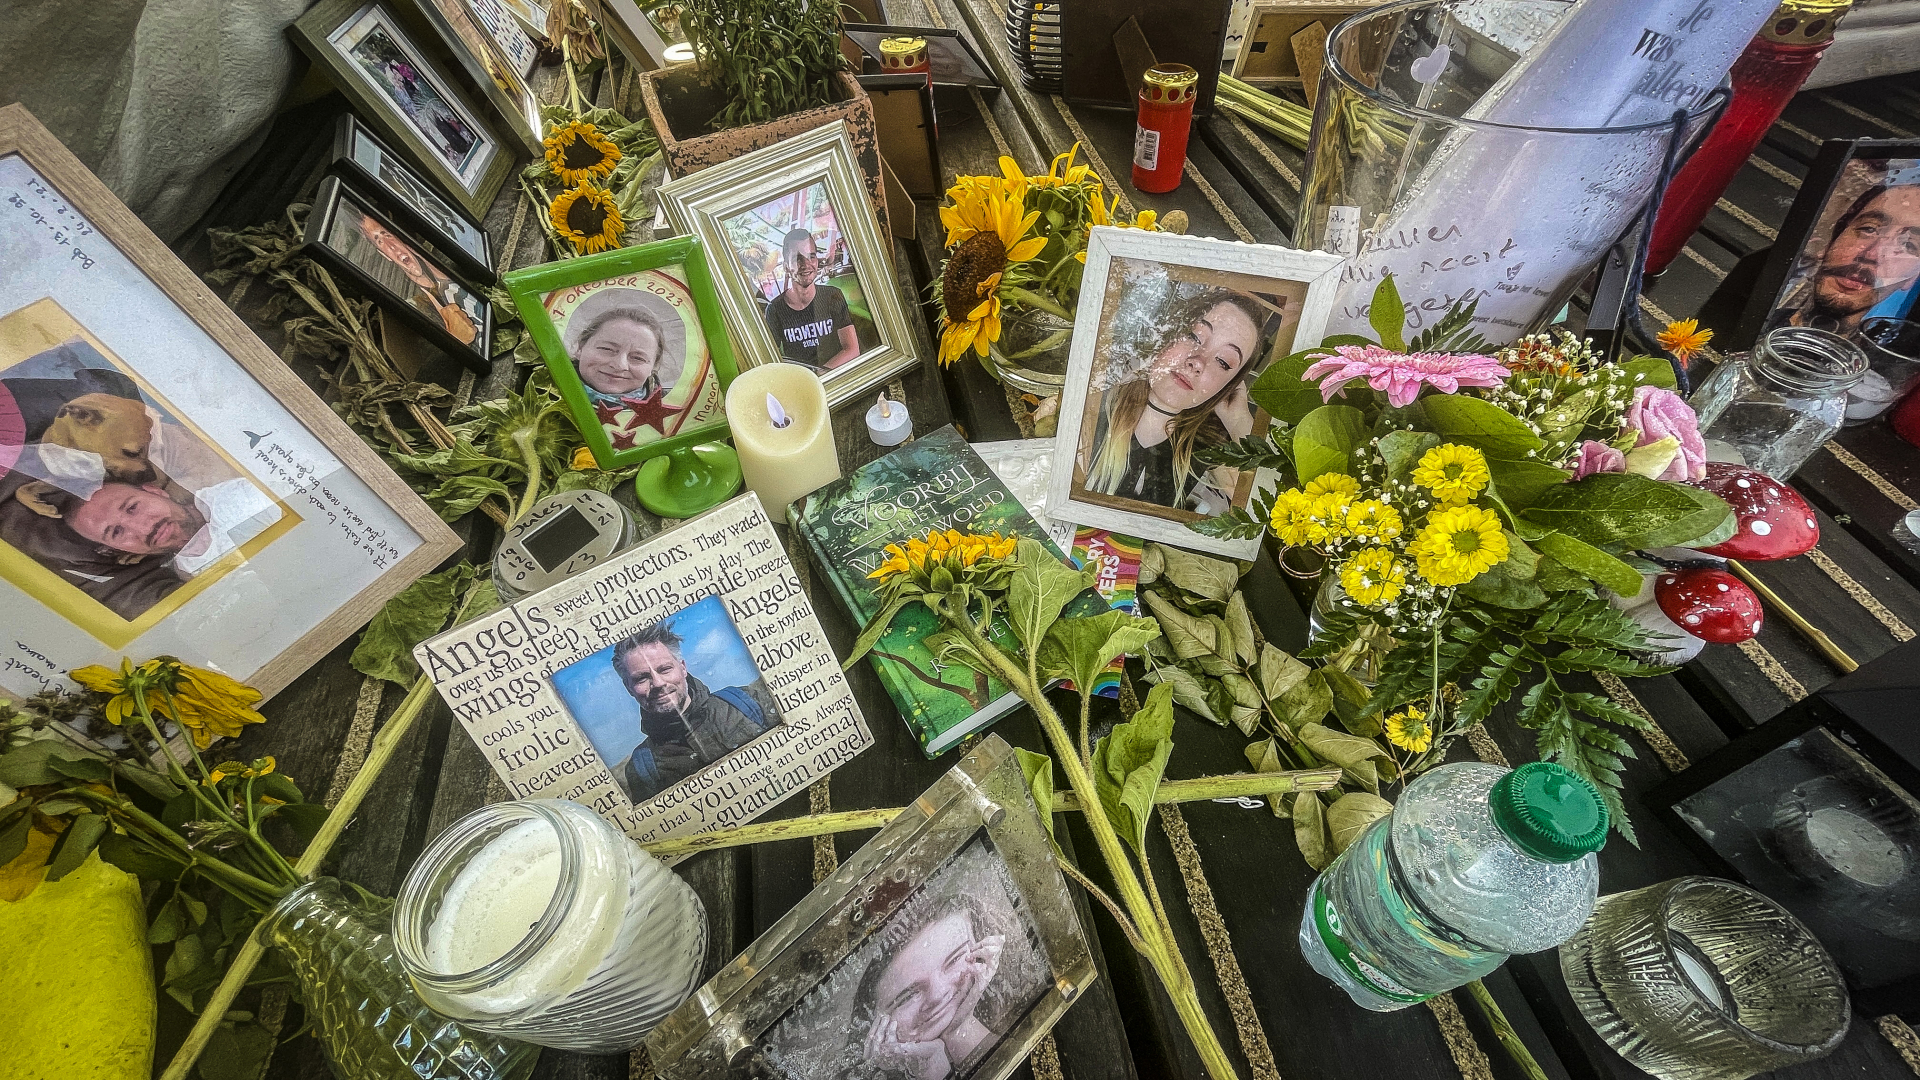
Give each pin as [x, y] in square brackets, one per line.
[1835, 654]
[1233, 786]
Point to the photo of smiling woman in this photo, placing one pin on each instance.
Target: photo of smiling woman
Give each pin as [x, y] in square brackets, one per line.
[629, 347]
[1177, 378]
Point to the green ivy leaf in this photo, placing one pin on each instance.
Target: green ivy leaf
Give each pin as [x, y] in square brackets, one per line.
[1128, 764]
[1325, 440]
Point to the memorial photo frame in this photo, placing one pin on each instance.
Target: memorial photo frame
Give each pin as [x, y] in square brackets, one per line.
[561, 689]
[95, 303]
[375, 169]
[347, 233]
[1185, 324]
[662, 297]
[970, 859]
[949, 53]
[406, 90]
[495, 55]
[1849, 248]
[794, 212]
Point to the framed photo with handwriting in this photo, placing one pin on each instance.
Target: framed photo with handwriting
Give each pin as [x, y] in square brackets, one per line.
[168, 486]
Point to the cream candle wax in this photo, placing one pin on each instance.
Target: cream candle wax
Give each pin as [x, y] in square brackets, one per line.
[783, 431]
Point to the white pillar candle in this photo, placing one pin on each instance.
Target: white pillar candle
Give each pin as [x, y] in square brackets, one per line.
[888, 423]
[782, 461]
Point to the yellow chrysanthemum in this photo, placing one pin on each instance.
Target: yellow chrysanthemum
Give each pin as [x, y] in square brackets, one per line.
[1684, 338]
[992, 228]
[587, 218]
[1459, 544]
[205, 703]
[1338, 483]
[1408, 729]
[1371, 519]
[1454, 473]
[1300, 518]
[1374, 577]
[578, 153]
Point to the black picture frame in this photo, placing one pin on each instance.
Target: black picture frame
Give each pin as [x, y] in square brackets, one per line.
[373, 167]
[1785, 265]
[903, 115]
[941, 42]
[474, 353]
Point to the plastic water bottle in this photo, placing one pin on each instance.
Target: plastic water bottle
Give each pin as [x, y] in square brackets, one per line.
[1475, 863]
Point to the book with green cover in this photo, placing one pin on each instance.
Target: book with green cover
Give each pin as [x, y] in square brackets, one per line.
[934, 482]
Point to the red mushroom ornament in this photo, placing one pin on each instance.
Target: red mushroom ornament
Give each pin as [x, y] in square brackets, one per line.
[1773, 521]
[1712, 605]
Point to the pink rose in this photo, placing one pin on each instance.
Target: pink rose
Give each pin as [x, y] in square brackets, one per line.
[1598, 457]
[1656, 414]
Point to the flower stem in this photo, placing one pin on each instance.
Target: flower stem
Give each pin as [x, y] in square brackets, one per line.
[1032, 299]
[1503, 1030]
[524, 441]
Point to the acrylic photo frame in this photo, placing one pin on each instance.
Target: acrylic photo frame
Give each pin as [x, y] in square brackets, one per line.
[948, 51]
[374, 168]
[532, 288]
[495, 58]
[735, 1018]
[818, 167]
[91, 289]
[1136, 285]
[335, 36]
[350, 235]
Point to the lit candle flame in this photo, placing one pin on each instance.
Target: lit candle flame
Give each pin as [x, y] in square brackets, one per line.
[776, 413]
[886, 407]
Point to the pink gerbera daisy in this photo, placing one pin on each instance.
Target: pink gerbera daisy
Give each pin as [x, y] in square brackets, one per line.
[1402, 375]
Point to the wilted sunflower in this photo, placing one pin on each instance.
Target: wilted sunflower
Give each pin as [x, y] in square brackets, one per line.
[955, 548]
[205, 703]
[988, 224]
[577, 152]
[587, 218]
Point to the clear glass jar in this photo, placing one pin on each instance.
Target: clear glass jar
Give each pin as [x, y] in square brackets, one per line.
[539, 920]
[1773, 407]
[1893, 366]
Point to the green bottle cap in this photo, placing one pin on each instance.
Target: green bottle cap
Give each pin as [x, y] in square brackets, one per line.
[1548, 812]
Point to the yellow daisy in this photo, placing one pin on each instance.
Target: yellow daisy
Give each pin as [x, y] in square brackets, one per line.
[1459, 544]
[993, 236]
[1683, 338]
[578, 152]
[1373, 577]
[587, 218]
[1293, 520]
[1408, 729]
[1371, 519]
[1454, 473]
[1340, 483]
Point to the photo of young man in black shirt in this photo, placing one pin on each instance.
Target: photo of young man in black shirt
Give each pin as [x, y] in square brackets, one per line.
[811, 322]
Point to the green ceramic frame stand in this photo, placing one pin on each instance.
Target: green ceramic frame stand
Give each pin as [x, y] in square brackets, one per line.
[690, 470]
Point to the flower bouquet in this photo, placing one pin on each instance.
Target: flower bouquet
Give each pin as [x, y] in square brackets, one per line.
[597, 176]
[1016, 245]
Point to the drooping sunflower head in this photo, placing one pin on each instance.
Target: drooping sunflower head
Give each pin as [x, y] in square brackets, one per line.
[1374, 577]
[992, 229]
[205, 703]
[577, 153]
[1408, 729]
[587, 218]
[1458, 544]
[950, 549]
[1454, 473]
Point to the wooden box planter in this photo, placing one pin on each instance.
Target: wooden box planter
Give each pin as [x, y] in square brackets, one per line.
[681, 106]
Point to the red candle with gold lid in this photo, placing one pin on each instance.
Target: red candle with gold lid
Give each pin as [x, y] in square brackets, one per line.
[1166, 116]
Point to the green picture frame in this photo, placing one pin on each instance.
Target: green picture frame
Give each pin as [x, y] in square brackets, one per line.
[578, 285]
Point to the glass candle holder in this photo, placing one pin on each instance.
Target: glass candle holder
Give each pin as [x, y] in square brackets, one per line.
[1893, 366]
[1774, 406]
[539, 920]
[1702, 979]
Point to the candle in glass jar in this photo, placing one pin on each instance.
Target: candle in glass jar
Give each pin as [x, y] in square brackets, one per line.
[783, 430]
[540, 921]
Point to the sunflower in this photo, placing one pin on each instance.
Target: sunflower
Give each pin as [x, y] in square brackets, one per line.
[1454, 473]
[956, 549]
[988, 221]
[578, 152]
[1061, 173]
[587, 218]
[1408, 729]
[1459, 544]
[1683, 338]
[582, 459]
[1374, 577]
[205, 703]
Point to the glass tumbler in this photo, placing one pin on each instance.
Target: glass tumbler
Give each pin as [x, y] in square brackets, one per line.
[540, 921]
[1893, 365]
[1703, 979]
[1773, 407]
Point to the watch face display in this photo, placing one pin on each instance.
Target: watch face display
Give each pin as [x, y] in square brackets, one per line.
[554, 542]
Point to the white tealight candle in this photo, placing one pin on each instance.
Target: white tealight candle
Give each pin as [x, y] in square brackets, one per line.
[888, 423]
[783, 431]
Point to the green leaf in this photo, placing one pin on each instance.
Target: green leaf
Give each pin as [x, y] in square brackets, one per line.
[32, 763]
[1246, 641]
[1307, 701]
[1583, 558]
[876, 626]
[278, 786]
[1509, 583]
[456, 496]
[1038, 770]
[1190, 637]
[1265, 757]
[1496, 681]
[1352, 753]
[1325, 440]
[81, 837]
[1454, 333]
[1310, 829]
[1042, 585]
[168, 923]
[237, 1052]
[153, 783]
[1345, 686]
[1521, 483]
[460, 459]
[1080, 648]
[1215, 579]
[1652, 371]
[1622, 509]
[1401, 450]
[1388, 315]
[1247, 702]
[1350, 815]
[1189, 690]
[1481, 424]
[1283, 392]
[1128, 764]
[137, 859]
[1279, 672]
[419, 612]
[81, 768]
[1236, 524]
[13, 837]
[305, 818]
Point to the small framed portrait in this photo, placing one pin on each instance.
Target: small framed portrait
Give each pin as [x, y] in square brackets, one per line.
[802, 266]
[681, 686]
[167, 484]
[637, 345]
[952, 59]
[495, 54]
[943, 950]
[349, 235]
[410, 96]
[1183, 326]
[378, 171]
[1849, 249]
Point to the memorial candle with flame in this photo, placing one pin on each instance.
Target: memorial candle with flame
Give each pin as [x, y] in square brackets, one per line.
[783, 431]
